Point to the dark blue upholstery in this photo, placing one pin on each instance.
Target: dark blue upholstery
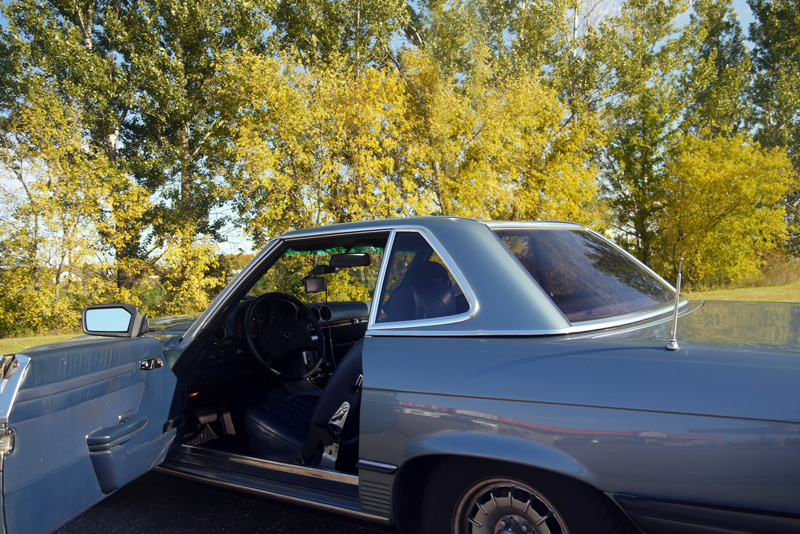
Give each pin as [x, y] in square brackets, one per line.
[279, 430]
[426, 294]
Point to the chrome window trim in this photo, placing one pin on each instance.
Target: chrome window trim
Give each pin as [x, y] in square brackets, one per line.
[376, 296]
[576, 328]
[686, 306]
[553, 225]
[324, 231]
[418, 327]
[629, 318]
[9, 387]
[437, 247]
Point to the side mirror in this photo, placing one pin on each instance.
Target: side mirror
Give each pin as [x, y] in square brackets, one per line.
[114, 320]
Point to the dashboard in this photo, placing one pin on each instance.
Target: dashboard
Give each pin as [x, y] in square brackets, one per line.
[342, 323]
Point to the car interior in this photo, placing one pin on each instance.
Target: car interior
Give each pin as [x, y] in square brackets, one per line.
[281, 379]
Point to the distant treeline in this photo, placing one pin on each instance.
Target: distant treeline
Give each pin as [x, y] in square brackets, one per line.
[134, 133]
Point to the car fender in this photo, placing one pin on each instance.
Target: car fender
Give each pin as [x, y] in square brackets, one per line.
[498, 448]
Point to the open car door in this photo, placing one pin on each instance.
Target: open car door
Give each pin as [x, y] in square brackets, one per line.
[79, 420]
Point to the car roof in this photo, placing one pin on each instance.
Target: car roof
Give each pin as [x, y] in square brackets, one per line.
[431, 222]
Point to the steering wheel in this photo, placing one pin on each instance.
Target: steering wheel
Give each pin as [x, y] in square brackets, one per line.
[280, 328]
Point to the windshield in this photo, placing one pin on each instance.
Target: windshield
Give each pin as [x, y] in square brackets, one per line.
[584, 275]
[297, 269]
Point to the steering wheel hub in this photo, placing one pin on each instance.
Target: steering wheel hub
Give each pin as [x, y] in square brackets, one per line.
[281, 330]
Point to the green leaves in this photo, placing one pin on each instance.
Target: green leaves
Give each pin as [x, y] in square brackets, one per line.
[776, 90]
[719, 77]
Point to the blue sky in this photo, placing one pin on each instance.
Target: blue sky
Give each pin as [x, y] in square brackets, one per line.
[745, 15]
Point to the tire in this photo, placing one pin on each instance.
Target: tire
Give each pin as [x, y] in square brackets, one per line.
[487, 499]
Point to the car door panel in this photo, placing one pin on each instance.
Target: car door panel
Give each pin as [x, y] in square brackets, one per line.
[92, 391]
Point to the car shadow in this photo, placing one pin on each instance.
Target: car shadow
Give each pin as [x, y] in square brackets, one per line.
[160, 503]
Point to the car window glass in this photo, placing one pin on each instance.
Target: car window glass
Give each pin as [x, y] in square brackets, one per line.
[586, 277]
[418, 285]
[342, 284]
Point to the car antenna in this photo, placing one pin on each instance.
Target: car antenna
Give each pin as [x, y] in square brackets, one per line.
[673, 341]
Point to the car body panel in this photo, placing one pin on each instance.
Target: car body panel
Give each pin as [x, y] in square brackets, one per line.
[71, 391]
[667, 517]
[694, 380]
[641, 430]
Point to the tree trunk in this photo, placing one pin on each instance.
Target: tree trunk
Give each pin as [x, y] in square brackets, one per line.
[186, 170]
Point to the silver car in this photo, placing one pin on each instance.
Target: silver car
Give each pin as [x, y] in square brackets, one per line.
[436, 374]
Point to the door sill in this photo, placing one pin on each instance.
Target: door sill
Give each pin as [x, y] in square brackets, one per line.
[307, 486]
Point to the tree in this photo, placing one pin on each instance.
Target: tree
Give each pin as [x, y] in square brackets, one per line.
[717, 78]
[56, 45]
[173, 142]
[725, 209]
[321, 145]
[61, 209]
[776, 90]
[323, 30]
[141, 73]
[643, 114]
[498, 147]
[557, 40]
[315, 145]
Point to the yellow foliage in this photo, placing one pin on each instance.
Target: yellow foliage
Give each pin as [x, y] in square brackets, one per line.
[324, 144]
[71, 208]
[187, 277]
[725, 209]
[501, 148]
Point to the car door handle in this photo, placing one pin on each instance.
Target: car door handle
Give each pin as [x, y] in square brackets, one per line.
[106, 438]
[151, 363]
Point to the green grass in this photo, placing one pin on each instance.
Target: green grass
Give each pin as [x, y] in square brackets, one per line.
[19, 344]
[782, 293]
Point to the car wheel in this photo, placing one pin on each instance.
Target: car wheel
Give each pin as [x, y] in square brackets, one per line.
[487, 500]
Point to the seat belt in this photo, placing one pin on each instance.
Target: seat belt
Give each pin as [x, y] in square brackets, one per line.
[329, 437]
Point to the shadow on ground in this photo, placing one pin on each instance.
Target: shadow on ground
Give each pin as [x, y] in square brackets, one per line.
[158, 503]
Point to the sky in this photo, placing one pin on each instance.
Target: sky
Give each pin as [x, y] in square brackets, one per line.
[744, 13]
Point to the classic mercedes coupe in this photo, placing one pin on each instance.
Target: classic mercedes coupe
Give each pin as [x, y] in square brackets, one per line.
[436, 374]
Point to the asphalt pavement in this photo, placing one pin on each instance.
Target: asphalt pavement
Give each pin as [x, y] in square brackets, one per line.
[158, 503]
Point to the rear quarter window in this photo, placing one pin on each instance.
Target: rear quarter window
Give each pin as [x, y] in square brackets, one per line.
[587, 277]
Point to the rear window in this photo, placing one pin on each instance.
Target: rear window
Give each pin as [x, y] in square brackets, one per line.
[585, 276]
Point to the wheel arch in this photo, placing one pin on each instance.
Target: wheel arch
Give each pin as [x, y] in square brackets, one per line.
[467, 449]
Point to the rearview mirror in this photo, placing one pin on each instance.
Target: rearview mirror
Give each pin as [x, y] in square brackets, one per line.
[114, 320]
[353, 259]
